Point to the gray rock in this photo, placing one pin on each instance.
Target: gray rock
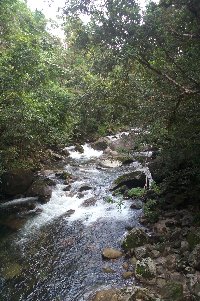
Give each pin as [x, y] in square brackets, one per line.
[194, 258]
[137, 205]
[140, 252]
[172, 291]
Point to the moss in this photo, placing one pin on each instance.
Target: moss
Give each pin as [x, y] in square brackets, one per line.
[11, 270]
[172, 291]
[136, 238]
[193, 238]
[136, 192]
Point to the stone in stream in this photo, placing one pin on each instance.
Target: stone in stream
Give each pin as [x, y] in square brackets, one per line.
[41, 188]
[109, 253]
[84, 188]
[108, 295]
[131, 180]
[89, 202]
[127, 275]
[108, 270]
[101, 144]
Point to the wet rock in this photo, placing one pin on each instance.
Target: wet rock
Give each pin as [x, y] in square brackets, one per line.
[41, 189]
[108, 295]
[18, 205]
[11, 270]
[13, 223]
[133, 260]
[108, 270]
[63, 175]
[127, 275]
[16, 182]
[89, 202]
[101, 144]
[67, 188]
[145, 270]
[135, 238]
[109, 253]
[65, 152]
[79, 148]
[137, 205]
[69, 212]
[107, 163]
[84, 188]
[125, 266]
[55, 156]
[131, 180]
[172, 291]
[194, 258]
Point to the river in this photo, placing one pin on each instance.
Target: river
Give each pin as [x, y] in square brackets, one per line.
[56, 255]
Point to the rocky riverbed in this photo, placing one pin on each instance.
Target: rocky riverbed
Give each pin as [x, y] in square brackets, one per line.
[93, 230]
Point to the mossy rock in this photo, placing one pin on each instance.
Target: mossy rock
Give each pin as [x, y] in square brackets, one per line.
[193, 238]
[11, 270]
[135, 238]
[131, 180]
[145, 270]
[172, 291]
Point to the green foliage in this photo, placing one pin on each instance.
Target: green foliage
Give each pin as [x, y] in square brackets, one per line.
[151, 211]
[117, 201]
[136, 192]
[155, 187]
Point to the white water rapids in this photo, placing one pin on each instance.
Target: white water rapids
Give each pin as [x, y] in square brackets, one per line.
[56, 255]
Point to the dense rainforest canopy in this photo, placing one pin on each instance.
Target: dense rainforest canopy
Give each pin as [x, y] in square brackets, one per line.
[124, 67]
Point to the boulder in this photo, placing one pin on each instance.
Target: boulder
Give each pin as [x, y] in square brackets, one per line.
[101, 144]
[17, 181]
[131, 180]
[79, 148]
[89, 202]
[127, 275]
[194, 258]
[109, 253]
[172, 291]
[138, 204]
[41, 189]
[145, 270]
[18, 205]
[84, 188]
[135, 238]
[108, 295]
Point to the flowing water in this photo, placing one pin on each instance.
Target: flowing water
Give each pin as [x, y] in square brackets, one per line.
[56, 255]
